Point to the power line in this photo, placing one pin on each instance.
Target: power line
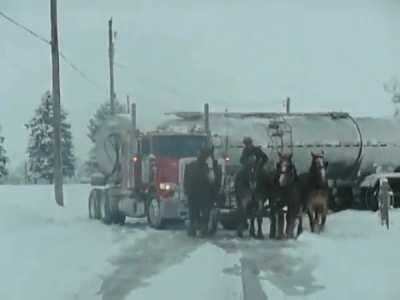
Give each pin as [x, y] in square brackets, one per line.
[80, 72]
[31, 32]
[65, 59]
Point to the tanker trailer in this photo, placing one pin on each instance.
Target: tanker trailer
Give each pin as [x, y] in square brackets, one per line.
[113, 196]
[353, 147]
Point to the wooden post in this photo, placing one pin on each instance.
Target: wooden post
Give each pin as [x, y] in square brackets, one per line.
[58, 175]
[207, 123]
[288, 105]
[128, 104]
[111, 59]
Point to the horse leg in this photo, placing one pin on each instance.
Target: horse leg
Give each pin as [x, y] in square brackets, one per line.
[316, 219]
[260, 213]
[252, 231]
[289, 223]
[300, 227]
[311, 219]
[241, 219]
[281, 224]
[324, 215]
[323, 221]
[272, 226]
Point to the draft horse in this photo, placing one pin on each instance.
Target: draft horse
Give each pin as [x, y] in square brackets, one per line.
[250, 198]
[288, 194]
[316, 192]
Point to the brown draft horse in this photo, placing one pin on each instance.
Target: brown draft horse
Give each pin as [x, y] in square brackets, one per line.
[289, 194]
[316, 192]
[249, 200]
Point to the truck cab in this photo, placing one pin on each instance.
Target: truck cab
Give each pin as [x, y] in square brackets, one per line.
[161, 160]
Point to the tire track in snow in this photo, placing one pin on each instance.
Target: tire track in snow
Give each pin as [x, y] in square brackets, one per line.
[149, 256]
[251, 285]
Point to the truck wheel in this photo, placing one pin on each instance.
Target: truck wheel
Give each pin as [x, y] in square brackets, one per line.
[229, 222]
[106, 215]
[372, 204]
[92, 204]
[213, 224]
[119, 219]
[154, 214]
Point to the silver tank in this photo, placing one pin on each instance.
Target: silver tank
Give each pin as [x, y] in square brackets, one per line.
[353, 146]
[116, 129]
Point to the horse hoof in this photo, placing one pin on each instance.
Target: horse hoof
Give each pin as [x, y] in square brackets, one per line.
[260, 236]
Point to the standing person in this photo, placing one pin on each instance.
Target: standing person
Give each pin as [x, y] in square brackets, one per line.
[200, 184]
[250, 150]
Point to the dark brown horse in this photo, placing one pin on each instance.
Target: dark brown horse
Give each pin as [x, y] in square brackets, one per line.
[315, 192]
[289, 194]
[250, 198]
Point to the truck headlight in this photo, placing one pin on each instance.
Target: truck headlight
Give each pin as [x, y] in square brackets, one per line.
[165, 186]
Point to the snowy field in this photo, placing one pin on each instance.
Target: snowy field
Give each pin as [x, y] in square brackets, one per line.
[52, 253]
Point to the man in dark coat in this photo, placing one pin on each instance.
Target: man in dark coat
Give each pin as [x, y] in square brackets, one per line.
[201, 183]
[250, 150]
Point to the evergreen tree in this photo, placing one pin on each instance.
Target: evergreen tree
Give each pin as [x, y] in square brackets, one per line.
[40, 148]
[100, 116]
[102, 113]
[3, 159]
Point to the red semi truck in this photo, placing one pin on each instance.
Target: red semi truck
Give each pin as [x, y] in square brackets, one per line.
[142, 173]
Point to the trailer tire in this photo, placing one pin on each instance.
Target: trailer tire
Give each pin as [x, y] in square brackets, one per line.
[92, 204]
[229, 221]
[119, 219]
[372, 204]
[154, 216]
[213, 224]
[106, 214]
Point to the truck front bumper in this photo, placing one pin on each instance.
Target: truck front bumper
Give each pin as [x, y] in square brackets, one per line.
[174, 208]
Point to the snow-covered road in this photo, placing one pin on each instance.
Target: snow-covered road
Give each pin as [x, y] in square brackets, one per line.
[48, 253]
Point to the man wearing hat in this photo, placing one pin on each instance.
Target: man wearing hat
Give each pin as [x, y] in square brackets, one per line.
[201, 181]
[250, 150]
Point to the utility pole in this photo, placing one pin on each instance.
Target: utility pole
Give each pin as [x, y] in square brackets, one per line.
[128, 103]
[288, 105]
[58, 175]
[111, 58]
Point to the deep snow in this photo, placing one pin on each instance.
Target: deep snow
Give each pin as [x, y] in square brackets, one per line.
[52, 253]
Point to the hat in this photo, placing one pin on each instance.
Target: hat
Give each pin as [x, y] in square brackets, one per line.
[247, 140]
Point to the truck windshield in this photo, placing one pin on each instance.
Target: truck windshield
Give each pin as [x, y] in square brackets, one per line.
[178, 146]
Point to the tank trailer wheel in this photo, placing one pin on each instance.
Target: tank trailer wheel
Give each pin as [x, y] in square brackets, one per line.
[106, 214]
[229, 221]
[119, 219]
[94, 204]
[213, 224]
[154, 214]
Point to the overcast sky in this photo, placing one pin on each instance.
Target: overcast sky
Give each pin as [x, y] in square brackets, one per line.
[176, 54]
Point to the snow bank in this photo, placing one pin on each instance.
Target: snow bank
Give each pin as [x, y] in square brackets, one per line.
[49, 252]
[355, 258]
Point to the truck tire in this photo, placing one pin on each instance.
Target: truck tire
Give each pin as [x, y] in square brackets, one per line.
[372, 204]
[92, 204]
[229, 221]
[213, 224]
[106, 214]
[154, 216]
[119, 219]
